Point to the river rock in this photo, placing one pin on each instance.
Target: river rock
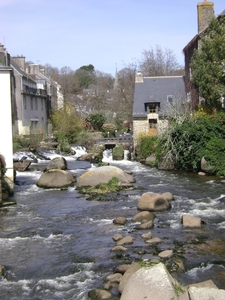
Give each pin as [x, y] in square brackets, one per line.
[99, 294]
[119, 249]
[59, 163]
[143, 216]
[120, 221]
[191, 221]
[168, 196]
[151, 283]
[22, 166]
[103, 174]
[153, 202]
[126, 240]
[145, 225]
[91, 157]
[122, 268]
[147, 235]
[116, 277]
[165, 254]
[55, 179]
[117, 236]
[151, 160]
[153, 240]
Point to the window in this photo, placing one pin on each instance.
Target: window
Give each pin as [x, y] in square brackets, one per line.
[24, 102]
[42, 105]
[170, 98]
[36, 104]
[31, 103]
[152, 108]
[152, 123]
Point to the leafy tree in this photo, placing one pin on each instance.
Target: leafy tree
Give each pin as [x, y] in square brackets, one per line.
[66, 124]
[189, 141]
[208, 64]
[89, 67]
[159, 62]
[97, 120]
[85, 76]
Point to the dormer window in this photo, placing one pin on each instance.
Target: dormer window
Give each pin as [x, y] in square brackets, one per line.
[170, 98]
[152, 107]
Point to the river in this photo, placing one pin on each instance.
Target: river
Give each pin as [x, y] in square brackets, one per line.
[55, 244]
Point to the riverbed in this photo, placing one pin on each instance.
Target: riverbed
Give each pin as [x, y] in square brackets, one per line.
[56, 244]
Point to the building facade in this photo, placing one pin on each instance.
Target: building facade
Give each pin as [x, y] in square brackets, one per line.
[155, 99]
[31, 102]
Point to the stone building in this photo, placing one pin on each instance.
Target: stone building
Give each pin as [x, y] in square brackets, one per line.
[205, 13]
[152, 107]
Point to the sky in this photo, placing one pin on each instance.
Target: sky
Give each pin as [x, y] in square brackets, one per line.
[109, 34]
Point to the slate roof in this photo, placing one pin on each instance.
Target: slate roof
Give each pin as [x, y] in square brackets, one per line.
[19, 70]
[156, 89]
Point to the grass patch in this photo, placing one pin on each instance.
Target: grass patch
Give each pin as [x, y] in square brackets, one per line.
[111, 186]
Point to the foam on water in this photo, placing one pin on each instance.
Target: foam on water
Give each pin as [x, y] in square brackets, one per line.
[53, 288]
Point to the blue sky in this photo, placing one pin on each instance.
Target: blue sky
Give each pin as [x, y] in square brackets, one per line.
[105, 33]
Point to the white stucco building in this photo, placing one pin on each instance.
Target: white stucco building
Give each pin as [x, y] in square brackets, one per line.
[6, 94]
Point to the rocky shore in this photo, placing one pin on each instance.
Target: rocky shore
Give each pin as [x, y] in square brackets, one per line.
[151, 278]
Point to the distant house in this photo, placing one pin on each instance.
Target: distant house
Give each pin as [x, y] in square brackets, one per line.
[39, 75]
[205, 13]
[30, 103]
[153, 97]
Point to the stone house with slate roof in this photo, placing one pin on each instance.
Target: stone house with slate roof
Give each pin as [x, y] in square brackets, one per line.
[205, 13]
[152, 99]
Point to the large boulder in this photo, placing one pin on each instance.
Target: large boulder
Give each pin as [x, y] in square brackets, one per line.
[154, 202]
[103, 174]
[57, 163]
[55, 179]
[153, 283]
[129, 272]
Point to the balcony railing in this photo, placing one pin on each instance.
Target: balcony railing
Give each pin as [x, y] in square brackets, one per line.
[34, 91]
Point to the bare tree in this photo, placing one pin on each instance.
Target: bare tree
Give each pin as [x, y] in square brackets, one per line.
[158, 62]
[123, 94]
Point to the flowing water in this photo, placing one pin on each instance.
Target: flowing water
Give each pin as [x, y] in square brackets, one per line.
[55, 244]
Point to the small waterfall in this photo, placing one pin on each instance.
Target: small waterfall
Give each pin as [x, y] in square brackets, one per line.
[79, 150]
[107, 155]
[126, 154]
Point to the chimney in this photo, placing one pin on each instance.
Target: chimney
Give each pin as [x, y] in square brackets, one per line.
[20, 61]
[205, 14]
[139, 77]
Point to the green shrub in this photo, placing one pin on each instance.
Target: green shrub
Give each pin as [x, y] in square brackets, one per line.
[188, 142]
[193, 139]
[147, 145]
[108, 128]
